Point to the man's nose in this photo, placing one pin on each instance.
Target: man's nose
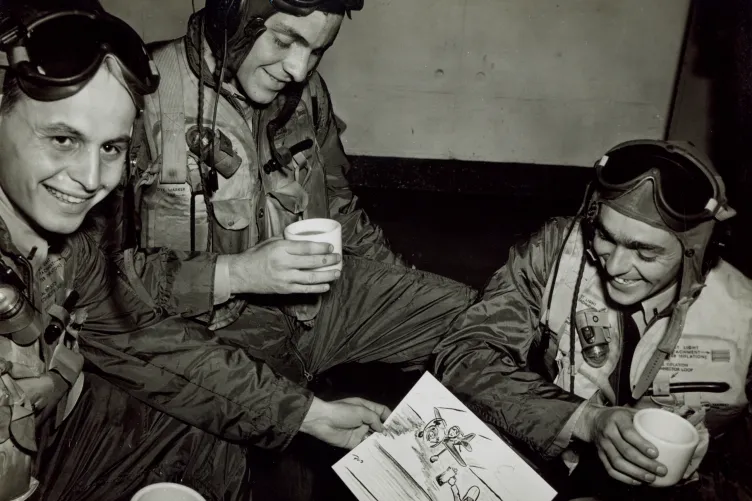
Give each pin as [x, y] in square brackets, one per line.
[87, 170]
[619, 262]
[296, 64]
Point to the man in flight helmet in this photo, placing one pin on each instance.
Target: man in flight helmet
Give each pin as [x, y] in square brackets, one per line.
[625, 306]
[265, 153]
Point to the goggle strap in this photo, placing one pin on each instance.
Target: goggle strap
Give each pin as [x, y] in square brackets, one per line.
[725, 213]
[720, 212]
[712, 206]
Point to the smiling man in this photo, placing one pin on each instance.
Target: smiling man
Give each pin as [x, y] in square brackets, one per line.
[265, 153]
[239, 141]
[572, 334]
[66, 119]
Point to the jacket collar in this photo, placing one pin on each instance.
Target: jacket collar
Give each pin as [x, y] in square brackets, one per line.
[6, 242]
[659, 303]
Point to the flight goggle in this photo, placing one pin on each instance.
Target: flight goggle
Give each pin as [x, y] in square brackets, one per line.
[57, 54]
[686, 191]
[305, 7]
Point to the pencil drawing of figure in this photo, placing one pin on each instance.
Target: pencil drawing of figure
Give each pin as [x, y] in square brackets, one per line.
[449, 477]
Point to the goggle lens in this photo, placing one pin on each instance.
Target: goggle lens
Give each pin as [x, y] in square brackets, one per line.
[67, 50]
[683, 186]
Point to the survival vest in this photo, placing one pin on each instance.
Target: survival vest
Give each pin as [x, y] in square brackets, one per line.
[250, 205]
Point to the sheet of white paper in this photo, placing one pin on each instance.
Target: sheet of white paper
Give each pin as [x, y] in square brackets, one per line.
[435, 449]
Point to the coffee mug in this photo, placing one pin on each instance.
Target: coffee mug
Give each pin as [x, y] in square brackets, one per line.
[318, 230]
[166, 491]
[674, 438]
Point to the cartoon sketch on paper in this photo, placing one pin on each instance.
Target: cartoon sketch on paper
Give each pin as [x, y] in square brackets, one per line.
[433, 448]
[425, 459]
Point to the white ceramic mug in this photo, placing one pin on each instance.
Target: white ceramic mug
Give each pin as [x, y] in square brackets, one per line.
[166, 491]
[674, 438]
[318, 230]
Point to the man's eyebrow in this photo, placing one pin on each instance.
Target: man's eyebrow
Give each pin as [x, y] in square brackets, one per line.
[63, 129]
[627, 242]
[125, 138]
[290, 32]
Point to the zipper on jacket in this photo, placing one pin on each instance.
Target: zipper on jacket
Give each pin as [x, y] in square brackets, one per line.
[309, 377]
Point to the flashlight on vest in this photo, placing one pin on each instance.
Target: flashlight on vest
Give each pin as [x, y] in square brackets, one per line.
[18, 318]
[594, 332]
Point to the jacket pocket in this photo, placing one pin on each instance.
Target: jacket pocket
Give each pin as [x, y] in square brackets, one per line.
[235, 214]
[167, 221]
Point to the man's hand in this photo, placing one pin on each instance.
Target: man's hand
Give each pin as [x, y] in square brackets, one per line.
[626, 456]
[278, 266]
[344, 423]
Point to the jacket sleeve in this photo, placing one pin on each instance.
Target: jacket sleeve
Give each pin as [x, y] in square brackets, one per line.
[180, 282]
[176, 366]
[487, 359]
[360, 236]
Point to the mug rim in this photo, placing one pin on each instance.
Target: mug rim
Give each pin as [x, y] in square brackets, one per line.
[292, 228]
[638, 417]
[151, 487]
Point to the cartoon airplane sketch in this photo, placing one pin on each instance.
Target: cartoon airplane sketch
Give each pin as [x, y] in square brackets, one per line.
[452, 439]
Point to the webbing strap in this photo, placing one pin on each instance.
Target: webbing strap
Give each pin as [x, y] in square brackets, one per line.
[664, 349]
[172, 116]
